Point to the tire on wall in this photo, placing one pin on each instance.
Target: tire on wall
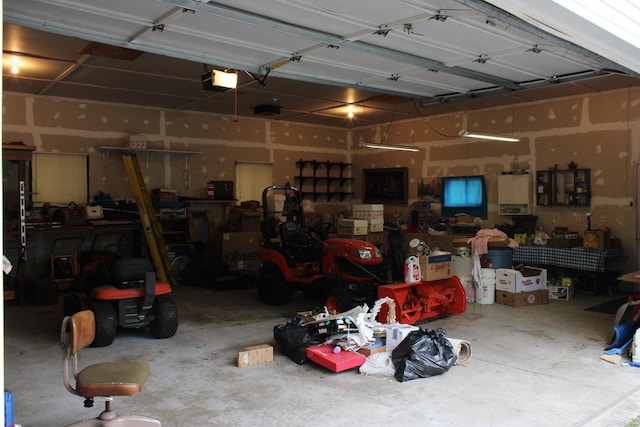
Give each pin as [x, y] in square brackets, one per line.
[165, 317]
[106, 323]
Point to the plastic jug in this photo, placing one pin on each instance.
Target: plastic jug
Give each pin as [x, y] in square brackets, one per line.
[412, 273]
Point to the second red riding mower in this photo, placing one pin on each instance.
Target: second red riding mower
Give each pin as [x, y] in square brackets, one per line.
[345, 271]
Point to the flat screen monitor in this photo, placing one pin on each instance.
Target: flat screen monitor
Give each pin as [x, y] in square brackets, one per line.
[464, 195]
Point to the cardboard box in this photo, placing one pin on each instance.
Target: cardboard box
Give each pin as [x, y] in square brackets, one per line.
[522, 299]
[378, 346]
[376, 225]
[561, 292]
[375, 238]
[526, 279]
[245, 220]
[240, 250]
[396, 333]
[596, 239]
[557, 242]
[353, 227]
[368, 211]
[255, 355]
[435, 267]
[138, 142]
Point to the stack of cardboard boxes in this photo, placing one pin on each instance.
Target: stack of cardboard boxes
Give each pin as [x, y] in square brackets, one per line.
[527, 286]
[371, 216]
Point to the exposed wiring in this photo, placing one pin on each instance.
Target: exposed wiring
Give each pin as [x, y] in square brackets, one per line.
[426, 121]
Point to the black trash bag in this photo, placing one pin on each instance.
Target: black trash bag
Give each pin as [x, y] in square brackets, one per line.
[423, 353]
[293, 339]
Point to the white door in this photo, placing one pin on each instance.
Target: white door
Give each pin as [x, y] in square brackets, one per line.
[252, 179]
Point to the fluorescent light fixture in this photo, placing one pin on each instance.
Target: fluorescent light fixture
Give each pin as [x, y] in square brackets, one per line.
[389, 147]
[468, 134]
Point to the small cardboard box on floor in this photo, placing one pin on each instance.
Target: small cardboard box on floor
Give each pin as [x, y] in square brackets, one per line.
[255, 355]
[561, 292]
[522, 299]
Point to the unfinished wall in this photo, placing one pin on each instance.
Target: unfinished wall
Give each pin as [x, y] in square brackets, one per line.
[600, 132]
[218, 142]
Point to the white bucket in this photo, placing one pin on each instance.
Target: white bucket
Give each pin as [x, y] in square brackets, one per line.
[486, 293]
[461, 266]
[412, 273]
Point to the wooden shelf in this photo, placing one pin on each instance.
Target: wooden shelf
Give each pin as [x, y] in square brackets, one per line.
[328, 192]
[148, 152]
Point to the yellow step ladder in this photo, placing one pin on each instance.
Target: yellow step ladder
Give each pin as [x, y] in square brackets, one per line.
[150, 224]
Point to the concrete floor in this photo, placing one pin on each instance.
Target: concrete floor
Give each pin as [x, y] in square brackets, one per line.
[535, 365]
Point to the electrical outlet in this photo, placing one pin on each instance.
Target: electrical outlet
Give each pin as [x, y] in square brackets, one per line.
[620, 219]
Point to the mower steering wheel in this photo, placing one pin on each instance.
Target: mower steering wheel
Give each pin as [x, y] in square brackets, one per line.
[321, 229]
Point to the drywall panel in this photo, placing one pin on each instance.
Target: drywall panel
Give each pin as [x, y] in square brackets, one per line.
[604, 152]
[477, 149]
[294, 134]
[210, 127]
[94, 117]
[609, 108]
[634, 104]
[14, 109]
[538, 117]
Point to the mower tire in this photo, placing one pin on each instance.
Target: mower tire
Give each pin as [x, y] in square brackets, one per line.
[71, 304]
[272, 288]
[164, 323]
[338, 300]
[106, 323]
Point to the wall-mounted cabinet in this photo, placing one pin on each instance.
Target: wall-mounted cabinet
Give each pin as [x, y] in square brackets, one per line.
[560, 187]
[514, 194]
[324, 180]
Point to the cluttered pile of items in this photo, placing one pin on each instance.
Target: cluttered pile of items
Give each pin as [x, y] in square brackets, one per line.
[357, 339]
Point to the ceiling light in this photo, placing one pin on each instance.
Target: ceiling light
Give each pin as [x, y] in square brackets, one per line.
[467, 134]
[15, 66]
[389, 147]
[219, 81]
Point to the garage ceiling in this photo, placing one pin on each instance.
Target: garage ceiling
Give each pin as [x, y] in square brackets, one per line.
[383, 59]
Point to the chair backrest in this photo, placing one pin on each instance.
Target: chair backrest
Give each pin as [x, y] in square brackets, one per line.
[293, 234]
[83, 330]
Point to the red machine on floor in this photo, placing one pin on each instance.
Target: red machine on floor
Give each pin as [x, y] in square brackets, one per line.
[293, 257]
[424, 300]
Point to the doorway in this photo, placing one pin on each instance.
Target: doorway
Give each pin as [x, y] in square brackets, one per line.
[252, 179]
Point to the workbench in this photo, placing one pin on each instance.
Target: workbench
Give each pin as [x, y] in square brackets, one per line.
[589, 266]
[40, 241]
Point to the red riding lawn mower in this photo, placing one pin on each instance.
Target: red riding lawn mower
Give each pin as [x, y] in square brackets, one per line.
[344, 271]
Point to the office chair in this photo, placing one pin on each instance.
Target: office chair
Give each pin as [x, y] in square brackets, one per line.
[100, 379]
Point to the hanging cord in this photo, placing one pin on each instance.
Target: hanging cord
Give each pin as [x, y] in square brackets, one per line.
[426, 121]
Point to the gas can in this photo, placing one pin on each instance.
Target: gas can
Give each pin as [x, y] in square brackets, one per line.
[412, 273]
